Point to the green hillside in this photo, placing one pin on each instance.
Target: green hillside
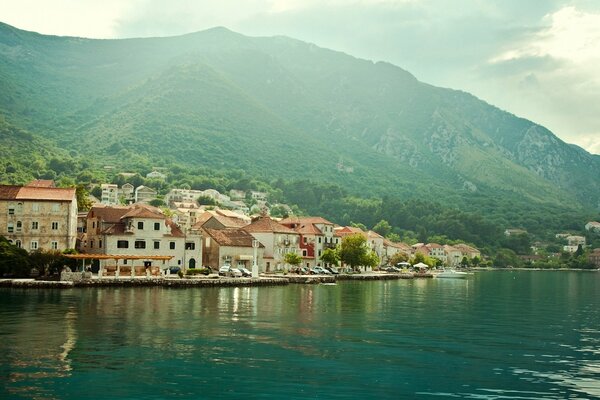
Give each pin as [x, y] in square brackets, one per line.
[279, 108]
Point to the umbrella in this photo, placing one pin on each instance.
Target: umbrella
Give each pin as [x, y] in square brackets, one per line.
[421, 265]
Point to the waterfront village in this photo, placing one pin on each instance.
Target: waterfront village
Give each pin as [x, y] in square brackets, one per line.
[122, 235]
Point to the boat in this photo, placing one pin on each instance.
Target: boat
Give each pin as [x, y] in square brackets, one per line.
[451, 273]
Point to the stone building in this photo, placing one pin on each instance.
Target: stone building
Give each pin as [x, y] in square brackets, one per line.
[39, 217]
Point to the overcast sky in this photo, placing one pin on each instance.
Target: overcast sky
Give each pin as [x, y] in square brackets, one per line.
[537, 59]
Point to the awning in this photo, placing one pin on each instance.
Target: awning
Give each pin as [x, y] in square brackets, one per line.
[244, 258]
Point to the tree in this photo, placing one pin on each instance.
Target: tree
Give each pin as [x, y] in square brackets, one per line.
[157, 203]
[370, 259]
[383, 228]
[206, 201]
[83, 200]
[293, 259]
[353, 250]
[330, 256]
[398, 258]
[14, 260]
[505, 258]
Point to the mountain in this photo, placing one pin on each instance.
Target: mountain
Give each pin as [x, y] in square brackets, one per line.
[280, 108]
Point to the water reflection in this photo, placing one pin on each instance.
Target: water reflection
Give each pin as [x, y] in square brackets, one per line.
[497, 336]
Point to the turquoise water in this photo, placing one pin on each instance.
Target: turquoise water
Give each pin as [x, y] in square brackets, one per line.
[497, 335]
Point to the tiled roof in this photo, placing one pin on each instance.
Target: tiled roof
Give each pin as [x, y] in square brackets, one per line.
[434, 246]
[143, 211]
[42, 183]
[305, 220]
[231, 237]
[11, 192]
[111, 214]
[175, 230]
[375, 235]
[308, 229]
[266, 224]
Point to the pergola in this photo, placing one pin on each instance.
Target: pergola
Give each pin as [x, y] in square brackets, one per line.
[116, 257]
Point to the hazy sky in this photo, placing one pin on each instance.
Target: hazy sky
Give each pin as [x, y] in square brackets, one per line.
[538, 59]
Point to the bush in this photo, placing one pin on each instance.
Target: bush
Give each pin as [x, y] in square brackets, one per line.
[198, 271]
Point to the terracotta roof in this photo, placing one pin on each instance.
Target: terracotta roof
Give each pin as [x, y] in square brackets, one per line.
[11, 192]
[41, 183]
[115, 229]
[231, 237]
[266, 224]
[105, 213]
[373, 234]
[175, 229]
[143, 211]
[308, 229]
[465, 248]
[434, 246]
[305, 220]
[398, 245]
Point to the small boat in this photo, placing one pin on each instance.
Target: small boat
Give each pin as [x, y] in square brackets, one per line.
[450, 273]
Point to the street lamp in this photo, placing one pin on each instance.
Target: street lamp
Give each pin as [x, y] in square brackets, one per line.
[255, 245]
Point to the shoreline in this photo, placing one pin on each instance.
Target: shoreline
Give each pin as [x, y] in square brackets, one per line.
[265, 280]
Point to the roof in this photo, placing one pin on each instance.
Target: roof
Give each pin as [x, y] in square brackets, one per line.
[305, 220]
[266, 224]
[465, 248]
[175, 229]
[106, 213]
[308, 229]
[12, 192]
[42, 183]
[375, 235]
[231, 237]
[434, 246]
[143, 211]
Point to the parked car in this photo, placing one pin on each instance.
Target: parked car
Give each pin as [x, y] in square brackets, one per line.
[245, 272]
[393, 269]
[320, 271]
[333, 270]
[174, 270]
[228, 270]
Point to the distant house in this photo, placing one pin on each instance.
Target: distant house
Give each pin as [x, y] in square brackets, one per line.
[316, 235]
[437, 251]
[575, 240]
[110, 194]
[467, 251]
[514, 231]
[453, 255]
[139, 230]
[144, 194]
[156, 175]
[258, 196]
[237, 194]
[594, 257]
[127, 192]
[277, 239]
[39, 217]
[592, 226]
[230, 247]
[183, 196]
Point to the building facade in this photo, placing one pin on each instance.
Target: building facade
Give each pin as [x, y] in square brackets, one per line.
[39, 217]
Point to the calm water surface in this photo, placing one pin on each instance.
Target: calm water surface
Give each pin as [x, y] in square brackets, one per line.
[497, 335]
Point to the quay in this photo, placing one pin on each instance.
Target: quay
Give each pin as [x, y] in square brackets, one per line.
[210, 281]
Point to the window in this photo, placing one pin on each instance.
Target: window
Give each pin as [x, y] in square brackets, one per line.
[178, 262]
[34, 245]
[18, 243]
[122, 244]
[157, 226]
[11, 210]
[35, 225]
[156, 245]
[19, 226]
[124, 262]
[92, 244]
[140, 244]
[140, 225]
[19, 208]
[10, 227]
[319, 239]
[55, 226]
[35, 207]
[99, 244]
[304, 239]
[190, 245]
[172, 245]
[55, 207]
[303, 253]
[54, 245]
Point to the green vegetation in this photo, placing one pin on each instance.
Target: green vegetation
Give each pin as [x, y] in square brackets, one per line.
[292, 259]
[354, 252]
[16, 262]
[219, 110]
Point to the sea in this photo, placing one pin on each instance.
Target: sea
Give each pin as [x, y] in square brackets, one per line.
[496, 335]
